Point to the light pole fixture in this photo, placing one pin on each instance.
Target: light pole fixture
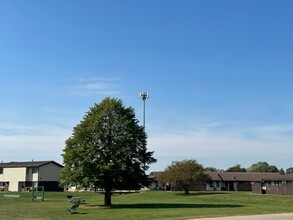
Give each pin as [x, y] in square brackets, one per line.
[144, 96]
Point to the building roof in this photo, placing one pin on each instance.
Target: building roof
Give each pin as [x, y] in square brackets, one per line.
[240, 176]
[213, 175]
[283, 177]
[15, 164]
[248, 176]
[155, 174]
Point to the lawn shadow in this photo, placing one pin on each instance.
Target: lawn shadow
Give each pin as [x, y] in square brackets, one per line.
[79, 213]
[172, 206]
[200, 193]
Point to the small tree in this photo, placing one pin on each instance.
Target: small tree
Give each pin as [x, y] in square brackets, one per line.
[263, 167]
[107, 150]
[183, 174]
[211, 169]
[236, 168]
[289, 170]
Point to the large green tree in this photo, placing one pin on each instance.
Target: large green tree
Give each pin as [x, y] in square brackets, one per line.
[107, 150]
[183, 173]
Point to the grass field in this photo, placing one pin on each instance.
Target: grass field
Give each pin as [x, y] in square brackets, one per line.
[148, 205]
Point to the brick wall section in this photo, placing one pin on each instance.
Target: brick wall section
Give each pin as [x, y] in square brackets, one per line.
[280, 190]
[243, 186]
[277, 190]
[198, 187]
[192, 187]
[256, 188]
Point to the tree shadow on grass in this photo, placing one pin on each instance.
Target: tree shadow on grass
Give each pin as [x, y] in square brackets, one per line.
[172, 206]
[79, 213]
[200, 193]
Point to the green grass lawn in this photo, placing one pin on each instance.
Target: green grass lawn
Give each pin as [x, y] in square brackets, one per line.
[145, 205]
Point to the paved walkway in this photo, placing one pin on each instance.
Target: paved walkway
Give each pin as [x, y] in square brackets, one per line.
[283, 216]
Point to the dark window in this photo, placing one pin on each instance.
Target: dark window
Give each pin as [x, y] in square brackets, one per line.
[1, 170]
[34, 170]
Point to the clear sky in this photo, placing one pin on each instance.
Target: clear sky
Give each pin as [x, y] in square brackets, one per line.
[219, 74]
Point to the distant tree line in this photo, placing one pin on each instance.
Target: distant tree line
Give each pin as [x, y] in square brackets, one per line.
[261, 166]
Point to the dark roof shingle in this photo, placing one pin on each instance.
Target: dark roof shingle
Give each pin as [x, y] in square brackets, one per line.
[15, 164]
[249, 176]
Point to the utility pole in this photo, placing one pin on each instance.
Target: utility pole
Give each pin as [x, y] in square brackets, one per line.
[144, 96]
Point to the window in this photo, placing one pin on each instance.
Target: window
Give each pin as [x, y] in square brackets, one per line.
[34, 170]
[1, 170]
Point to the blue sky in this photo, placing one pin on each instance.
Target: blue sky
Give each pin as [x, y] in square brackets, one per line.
[219, 74]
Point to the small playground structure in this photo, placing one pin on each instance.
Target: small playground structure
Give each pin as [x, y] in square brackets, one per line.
[76, 201]
[38, 193]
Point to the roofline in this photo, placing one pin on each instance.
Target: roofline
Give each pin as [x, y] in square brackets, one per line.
[51, 161]
[28, 164]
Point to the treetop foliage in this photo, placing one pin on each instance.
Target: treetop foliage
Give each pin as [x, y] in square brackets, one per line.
[256, 167]
[263, 167]
[289, 170]
[211, 169]
[236, 168]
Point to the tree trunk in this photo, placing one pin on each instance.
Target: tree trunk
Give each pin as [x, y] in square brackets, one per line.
[186, 191]
[107, 197]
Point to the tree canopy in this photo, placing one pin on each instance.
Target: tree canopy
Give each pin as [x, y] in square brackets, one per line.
[211, 169]
[183, 174]
[107, 150]
[263, 167]
[236, 168]
[281, 171]
[289, 170]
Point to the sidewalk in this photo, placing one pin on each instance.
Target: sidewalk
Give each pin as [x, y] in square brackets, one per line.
[283, 216]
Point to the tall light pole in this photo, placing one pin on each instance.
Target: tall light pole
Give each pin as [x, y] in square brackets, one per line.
[144, 96]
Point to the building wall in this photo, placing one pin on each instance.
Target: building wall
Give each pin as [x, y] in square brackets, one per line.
[285, 189]
[20, 178]
[191, 187]
[256, 188]
[242, 186]
[280, 190]
[14, 176]
[51, 185]
[32, 174]
[152, 185]
[49, 172]
[214, 185]
[156, 185]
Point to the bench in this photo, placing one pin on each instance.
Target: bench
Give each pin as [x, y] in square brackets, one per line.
[11, 196]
